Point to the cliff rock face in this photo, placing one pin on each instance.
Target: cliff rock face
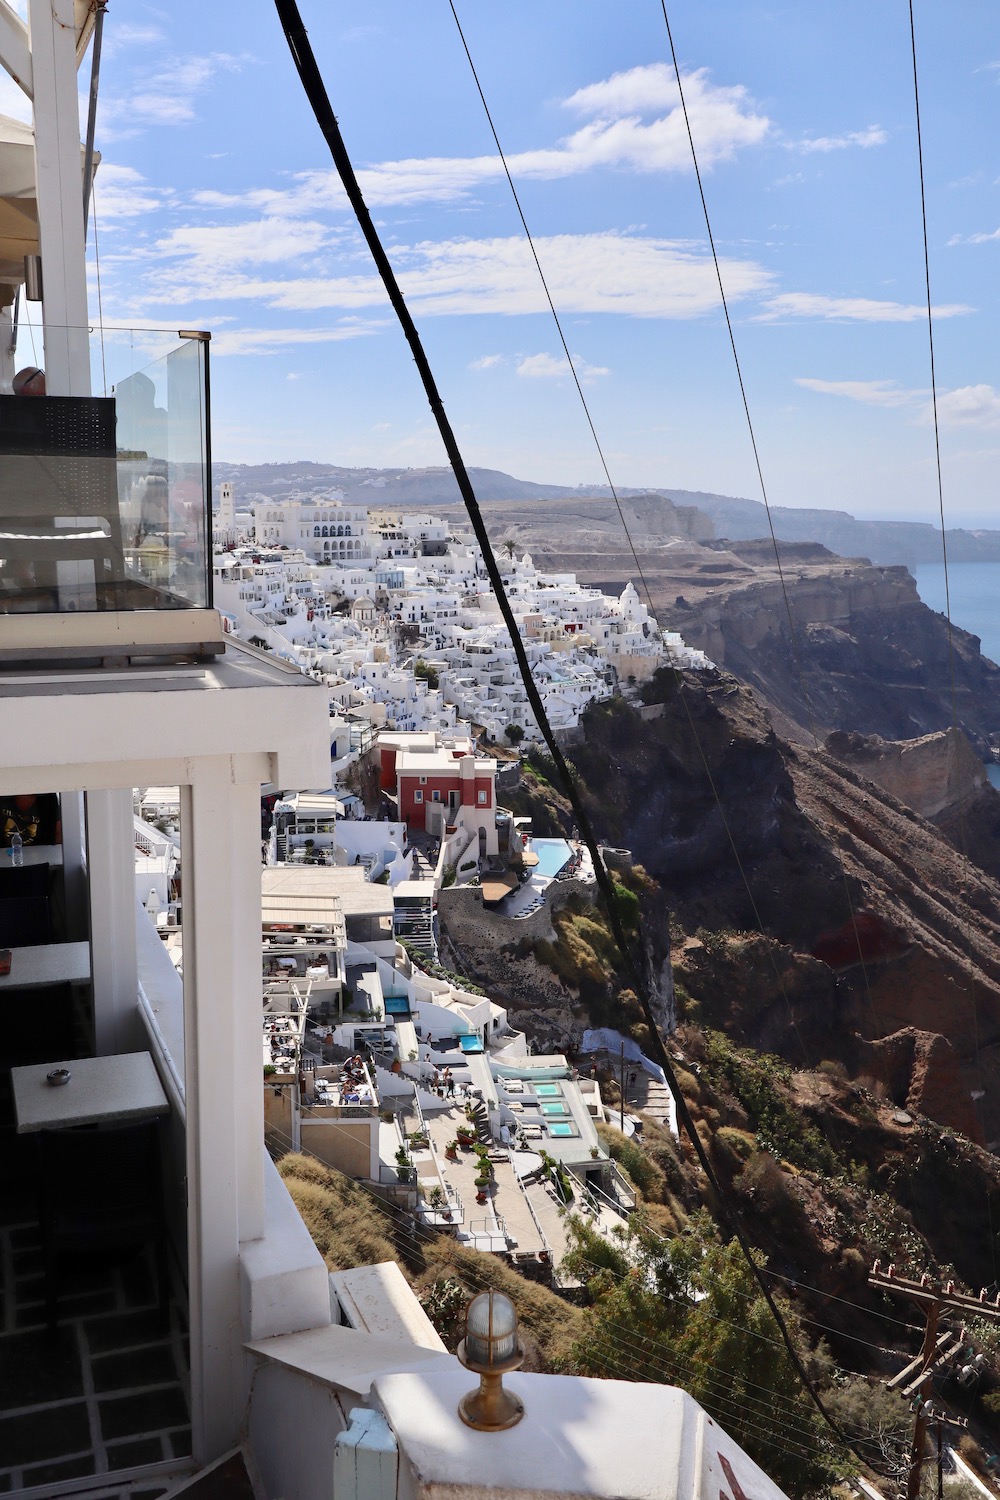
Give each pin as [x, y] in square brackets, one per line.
[934, 774]
[781, 847]
[922, 1072]
[864, 655]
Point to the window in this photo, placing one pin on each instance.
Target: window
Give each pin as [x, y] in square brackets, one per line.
[423, 781]
[418, 796]
[482, 798]
[435, 796]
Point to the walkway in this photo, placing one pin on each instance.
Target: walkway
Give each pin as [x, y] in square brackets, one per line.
[652, 1098]
[506, 1197]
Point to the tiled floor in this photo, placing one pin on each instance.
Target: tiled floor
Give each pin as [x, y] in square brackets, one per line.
[108, 1390]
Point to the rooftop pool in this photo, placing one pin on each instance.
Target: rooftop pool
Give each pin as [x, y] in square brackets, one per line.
[552, 855]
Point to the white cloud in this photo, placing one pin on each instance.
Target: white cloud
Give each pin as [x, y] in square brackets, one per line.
[164, 94]
[270, 340]
[547, 367]
[487, 362]
[595, 273]
[635, 91]
[873, 136]
[965, 406]
[261, 241]
[970, 406]
[871, 392]
[722, 120]
[122, 192]
[976, 239]
[14, 102]
[852, 309]
[126, 34]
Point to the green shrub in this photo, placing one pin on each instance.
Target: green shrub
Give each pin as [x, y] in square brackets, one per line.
[648, 1178]
[760, 1083]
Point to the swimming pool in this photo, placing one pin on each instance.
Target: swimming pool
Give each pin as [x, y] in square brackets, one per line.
[552, 855]
[548, 1090]
[563, 1130]
[555, 1109]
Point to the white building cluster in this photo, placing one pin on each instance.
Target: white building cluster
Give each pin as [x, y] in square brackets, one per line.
[394, 613]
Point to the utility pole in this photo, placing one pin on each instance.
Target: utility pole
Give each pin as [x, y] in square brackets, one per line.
[914, 1380]
[622, 1082]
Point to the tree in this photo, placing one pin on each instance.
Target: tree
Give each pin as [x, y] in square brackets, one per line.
[688, 1311]
[514, 733]
[429, 675]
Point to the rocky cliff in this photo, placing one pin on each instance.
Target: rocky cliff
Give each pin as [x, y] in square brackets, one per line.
[822, 915]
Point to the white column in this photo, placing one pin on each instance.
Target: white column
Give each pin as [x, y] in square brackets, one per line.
[220, 873]
[111, 872]
[59, 187]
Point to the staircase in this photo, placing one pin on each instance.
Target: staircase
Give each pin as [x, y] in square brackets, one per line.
[481, 1121]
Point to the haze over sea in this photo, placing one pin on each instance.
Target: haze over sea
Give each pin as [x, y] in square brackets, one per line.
[975, 605]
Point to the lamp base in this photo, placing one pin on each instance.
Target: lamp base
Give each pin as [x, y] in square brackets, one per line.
[491, 1408]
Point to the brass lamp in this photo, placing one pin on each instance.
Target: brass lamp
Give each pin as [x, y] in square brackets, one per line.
[490, 1348]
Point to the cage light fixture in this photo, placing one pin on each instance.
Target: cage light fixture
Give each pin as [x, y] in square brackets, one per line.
[490, 1349]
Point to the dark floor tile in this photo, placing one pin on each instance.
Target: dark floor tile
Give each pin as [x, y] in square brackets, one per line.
[139, 1451]
[124, 1331]
[36, 1368]
[41, 1436]
[181, 1443]
[154, 1365]
[26, 1237]
[63, 1468]
[27, 1262]
[138, 1280]
[123, 1415]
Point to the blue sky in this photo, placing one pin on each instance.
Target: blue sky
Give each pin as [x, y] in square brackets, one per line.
[216, 207]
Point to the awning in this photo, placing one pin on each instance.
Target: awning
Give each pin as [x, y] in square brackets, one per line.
[495, 887]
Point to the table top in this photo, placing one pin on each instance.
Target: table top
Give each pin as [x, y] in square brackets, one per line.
[36, 854]
[49, 963]
[102, 1090]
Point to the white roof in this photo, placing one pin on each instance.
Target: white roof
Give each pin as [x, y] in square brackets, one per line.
[323, 887]
[378, 1299]
[316, 804]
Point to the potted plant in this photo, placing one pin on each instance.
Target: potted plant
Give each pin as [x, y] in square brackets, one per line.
[269, 1070]
[436, 1197]
[451, 1150]
[466, 1136]
[404, 1164]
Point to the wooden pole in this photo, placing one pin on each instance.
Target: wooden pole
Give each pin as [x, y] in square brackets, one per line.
[920, 1426]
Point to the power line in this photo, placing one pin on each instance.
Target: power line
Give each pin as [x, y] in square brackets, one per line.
[963, 841]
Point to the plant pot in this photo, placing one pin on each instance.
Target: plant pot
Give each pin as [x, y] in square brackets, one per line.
[451, 1153]
[480, 1196]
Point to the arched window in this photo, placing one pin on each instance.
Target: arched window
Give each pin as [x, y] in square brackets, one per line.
[316, 531]
[326, 531]
[347, 531]
[340, 531]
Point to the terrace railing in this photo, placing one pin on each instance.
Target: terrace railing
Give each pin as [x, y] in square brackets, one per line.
[105, 501]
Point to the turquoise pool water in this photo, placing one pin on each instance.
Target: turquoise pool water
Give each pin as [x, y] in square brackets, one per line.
[552, 855]
[563, 1130]
[548, 1091]
[555, 1109]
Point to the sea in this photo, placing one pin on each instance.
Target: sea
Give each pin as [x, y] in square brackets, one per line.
[974, 590]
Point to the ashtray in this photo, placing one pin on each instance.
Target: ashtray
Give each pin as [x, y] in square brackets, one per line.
[59, 1076]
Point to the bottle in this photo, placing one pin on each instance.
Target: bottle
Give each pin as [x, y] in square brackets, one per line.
[17, 850]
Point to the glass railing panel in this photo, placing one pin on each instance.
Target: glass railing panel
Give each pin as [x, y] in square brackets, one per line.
[105, 501]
